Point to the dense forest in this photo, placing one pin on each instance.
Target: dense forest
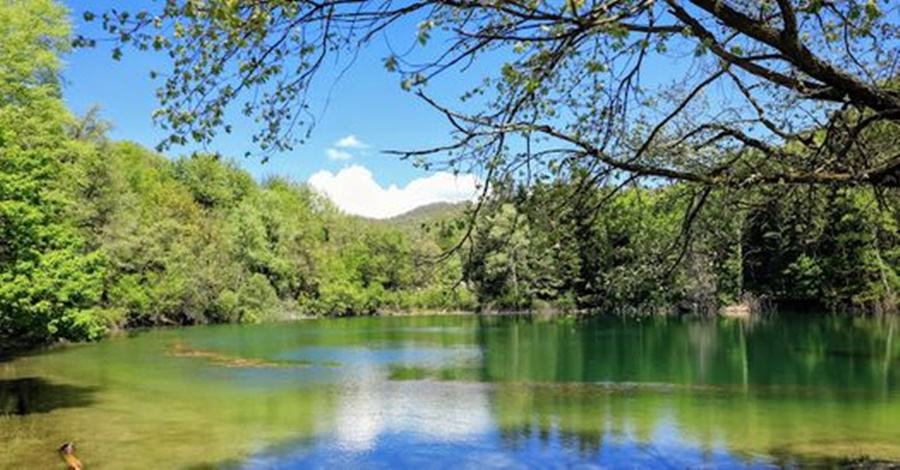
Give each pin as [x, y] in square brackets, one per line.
[98, 235]
[667, 249]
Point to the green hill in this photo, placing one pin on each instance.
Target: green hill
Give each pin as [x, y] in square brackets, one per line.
[424, 214]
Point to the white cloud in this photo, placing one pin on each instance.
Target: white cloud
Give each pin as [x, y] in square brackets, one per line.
[350, 142]
[335, 154]
[355, 191]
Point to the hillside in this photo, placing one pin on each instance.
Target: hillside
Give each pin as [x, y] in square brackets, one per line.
[424, 214]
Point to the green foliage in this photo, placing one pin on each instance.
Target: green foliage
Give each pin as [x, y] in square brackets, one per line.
[213, 184]
[646, 249]
[828, 247]
[50, 281]
[34, 33]
[197, 240]
[256, 298]
[854, 273]
[97, 235]
[567, 248]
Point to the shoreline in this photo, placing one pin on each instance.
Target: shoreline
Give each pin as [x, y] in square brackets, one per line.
[742, 311]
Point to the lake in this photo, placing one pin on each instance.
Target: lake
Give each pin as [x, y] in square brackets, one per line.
[463, 392]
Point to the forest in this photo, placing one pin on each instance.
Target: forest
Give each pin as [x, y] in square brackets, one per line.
[98, 235]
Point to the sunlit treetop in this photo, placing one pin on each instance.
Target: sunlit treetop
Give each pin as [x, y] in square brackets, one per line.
[34, 35]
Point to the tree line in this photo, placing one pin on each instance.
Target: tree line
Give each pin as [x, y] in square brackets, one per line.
[113, 235]
[671, 248]
[98, 235]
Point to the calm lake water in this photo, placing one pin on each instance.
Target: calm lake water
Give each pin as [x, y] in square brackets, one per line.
[463, 392]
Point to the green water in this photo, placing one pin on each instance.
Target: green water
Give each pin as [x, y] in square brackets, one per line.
[462, 392]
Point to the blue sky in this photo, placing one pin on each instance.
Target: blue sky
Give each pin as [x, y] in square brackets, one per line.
[358, 115]
[364, 108]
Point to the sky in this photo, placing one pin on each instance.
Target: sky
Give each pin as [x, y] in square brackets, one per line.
[359, 115]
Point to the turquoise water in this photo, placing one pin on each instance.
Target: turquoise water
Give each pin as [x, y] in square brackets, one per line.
[463, 392]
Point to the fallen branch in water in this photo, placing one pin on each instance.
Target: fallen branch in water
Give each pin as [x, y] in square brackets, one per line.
[179, 349]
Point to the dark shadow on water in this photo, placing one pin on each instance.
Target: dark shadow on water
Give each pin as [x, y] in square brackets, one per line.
[30, 395]
[11, 349]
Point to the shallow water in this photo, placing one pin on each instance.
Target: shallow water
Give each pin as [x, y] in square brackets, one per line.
[463, 392]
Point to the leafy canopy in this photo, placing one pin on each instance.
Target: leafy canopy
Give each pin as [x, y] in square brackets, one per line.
[755, 92]
[49, 279]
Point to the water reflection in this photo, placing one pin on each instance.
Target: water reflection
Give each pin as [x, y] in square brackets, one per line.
[654, 393]
[832, 353]
[479, 392]
[436, 412]
[776, 392]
